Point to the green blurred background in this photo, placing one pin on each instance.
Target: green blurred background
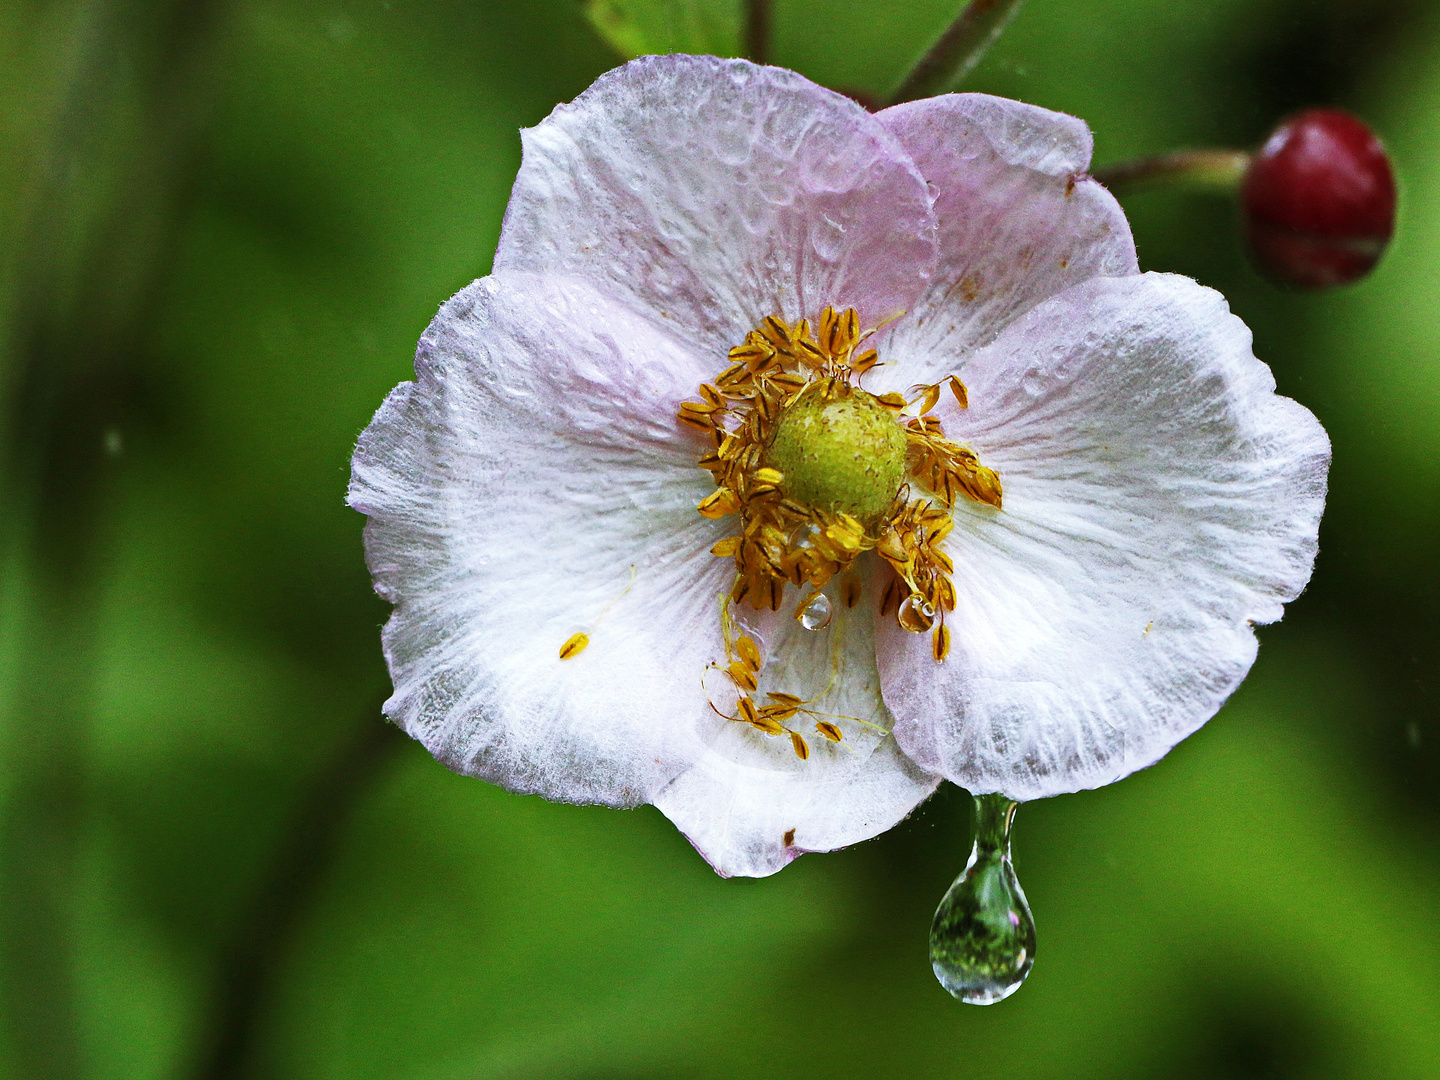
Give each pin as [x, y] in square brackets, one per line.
[223, 225]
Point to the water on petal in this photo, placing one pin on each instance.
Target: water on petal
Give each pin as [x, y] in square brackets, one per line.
[816, 614]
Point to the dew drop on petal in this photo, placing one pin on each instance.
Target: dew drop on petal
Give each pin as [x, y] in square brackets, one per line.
[982, 942]
[817, 613]
[915, 615]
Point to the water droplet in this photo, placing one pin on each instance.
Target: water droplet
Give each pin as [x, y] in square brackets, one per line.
[817, 613]
[915, 614]
[982, 942]
[828, 238]
[803, 536]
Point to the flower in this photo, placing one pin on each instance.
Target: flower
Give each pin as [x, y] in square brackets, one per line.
[1076, 477]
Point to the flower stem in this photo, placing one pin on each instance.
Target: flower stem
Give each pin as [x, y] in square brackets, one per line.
[250, 966]
[958, 49]
[757, 30]
[1218, 171]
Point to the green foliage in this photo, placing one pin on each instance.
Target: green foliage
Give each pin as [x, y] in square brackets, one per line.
[642, 27]
[188, 633]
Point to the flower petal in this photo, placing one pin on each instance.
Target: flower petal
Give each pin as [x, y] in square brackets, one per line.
[1160, 498]
[750, 805]
[714, 193]
[511, 488]
[1019, 221]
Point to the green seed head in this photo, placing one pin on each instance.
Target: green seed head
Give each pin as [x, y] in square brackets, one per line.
[840, 453]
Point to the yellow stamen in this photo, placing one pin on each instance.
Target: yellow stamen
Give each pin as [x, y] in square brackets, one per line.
[574, 645]
[743, 676]
[749, 652]
[940, 643]
[803, 528]
[720, 504]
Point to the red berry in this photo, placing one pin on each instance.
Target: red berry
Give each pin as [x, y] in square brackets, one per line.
[1319, 200]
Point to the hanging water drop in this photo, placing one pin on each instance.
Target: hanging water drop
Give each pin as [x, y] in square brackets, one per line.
[915, 614]
[982, 942]
[816, 614]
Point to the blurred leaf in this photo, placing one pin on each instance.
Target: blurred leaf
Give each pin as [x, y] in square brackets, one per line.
[1256, 905]
[642, 27]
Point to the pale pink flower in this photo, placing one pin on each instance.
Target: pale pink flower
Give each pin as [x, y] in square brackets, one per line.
[1159, 498]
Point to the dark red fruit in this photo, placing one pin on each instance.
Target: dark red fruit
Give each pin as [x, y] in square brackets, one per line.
[1319, 200]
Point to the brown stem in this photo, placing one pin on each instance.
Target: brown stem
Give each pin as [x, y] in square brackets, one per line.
[1218, 171]
[757, 30]
[248, 969]
[958, 49]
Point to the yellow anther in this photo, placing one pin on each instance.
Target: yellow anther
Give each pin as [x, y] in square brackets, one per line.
[720, 504]
[891, 548]
[829, 320]
[802, 749]
[699, 423]
[947, 594]
[757, 718]
[779, 712]
[929, 396]
[749, 652]
[962, 396]
[789, 383]
[743, 676]
[810, 354]
[574, 645]
[751, 350]
[940, 643]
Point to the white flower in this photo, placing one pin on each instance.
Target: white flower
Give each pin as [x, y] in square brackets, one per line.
[1158, 498]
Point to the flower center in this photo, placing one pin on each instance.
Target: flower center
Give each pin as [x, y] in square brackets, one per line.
[821, 471]
[840, 451]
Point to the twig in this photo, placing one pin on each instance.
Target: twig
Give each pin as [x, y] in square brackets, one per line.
[248, 969]
[959, 49]
[757, 30]
[1218, 171]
